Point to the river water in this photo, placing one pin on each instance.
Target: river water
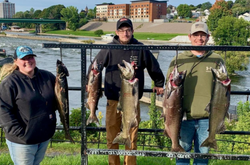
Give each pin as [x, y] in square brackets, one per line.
[46, 59]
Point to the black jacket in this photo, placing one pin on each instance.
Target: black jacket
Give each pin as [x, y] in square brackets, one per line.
[27, 107]
[109, 58]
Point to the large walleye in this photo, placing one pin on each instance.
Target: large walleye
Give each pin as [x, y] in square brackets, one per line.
[128, 102]
[172, 107]
[219, 105]
[94, 89]
[61, 91]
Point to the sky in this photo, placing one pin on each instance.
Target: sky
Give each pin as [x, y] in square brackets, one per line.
[23, 5]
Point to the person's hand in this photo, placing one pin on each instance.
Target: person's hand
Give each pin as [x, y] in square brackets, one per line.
[158, 90]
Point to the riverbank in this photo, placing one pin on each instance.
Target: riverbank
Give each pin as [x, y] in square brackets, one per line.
[97, 40]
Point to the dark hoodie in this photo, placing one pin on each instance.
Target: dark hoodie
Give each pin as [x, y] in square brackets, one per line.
[27, 107]
[109, 58]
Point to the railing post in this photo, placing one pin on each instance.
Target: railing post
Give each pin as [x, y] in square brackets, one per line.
[99, 139]
[1, 137]
[84, 156]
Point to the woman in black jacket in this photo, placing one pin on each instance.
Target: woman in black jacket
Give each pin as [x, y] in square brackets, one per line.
[27, 108]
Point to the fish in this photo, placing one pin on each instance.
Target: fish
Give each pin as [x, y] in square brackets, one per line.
[61, 92]
[94, 90]
[172, 107]
[218, 106]
[128, 102]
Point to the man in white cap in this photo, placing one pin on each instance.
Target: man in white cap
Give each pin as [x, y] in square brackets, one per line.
[198, 89]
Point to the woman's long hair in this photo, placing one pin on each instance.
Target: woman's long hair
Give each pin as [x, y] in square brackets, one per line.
[7, 69]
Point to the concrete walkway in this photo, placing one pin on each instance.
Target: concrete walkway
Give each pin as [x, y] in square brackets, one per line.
[162, 27]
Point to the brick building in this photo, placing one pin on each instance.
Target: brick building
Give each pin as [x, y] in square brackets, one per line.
[102, 10]
[148, 10]
[7, 9]
[116, 12]
[137, 11]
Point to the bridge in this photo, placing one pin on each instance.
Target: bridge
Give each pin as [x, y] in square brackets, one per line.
[38, 22]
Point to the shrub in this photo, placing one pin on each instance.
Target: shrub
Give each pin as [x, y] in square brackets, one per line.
[98, 32]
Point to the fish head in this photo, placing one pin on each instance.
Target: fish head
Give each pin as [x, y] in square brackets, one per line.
[220, 73]
[177, 77]
[127, 72]
[96, 68]
[61, 68]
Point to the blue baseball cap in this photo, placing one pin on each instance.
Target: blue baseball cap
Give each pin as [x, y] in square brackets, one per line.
[22, 51]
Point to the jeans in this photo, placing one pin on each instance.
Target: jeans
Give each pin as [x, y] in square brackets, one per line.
[197, 131]
[24, 154]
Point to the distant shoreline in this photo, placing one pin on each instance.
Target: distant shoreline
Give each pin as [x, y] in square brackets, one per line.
[46, 37]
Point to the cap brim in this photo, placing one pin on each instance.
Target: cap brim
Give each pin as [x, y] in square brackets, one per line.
[200, 30]
[27, 55]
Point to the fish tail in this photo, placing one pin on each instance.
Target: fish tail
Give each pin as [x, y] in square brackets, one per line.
[92, 119]
[120, 139]
[68, 136]
[66, 128]
[209, 143]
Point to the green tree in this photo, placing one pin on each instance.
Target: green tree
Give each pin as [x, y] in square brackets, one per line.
[230, 4]
[53, 12]
[37, 13]
[243, 124]
[198, 6]
[238, 9]
[91, 14]
[18, 15]
[71, 17]
[219, 9]
[99, 32]
[236, 61]
[242, 2]
[184, 11]
[233, 31]
[83, 21]
[206, 5]
[192, 7]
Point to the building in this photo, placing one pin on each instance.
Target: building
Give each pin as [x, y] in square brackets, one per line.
[245, 16]
[137, 11]
[7, 9]
[148, 10]
[102, 10]
[116, 12]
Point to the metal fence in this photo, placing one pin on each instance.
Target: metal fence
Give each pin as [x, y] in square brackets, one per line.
[86, 151]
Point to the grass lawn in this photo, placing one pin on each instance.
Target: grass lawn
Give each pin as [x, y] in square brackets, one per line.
[137, 35]
[69, 154]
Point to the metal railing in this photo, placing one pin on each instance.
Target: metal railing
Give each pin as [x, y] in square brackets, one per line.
[85, 151]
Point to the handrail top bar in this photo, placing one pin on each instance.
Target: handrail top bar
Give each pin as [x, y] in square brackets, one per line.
[247, 92]
[145, 47]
